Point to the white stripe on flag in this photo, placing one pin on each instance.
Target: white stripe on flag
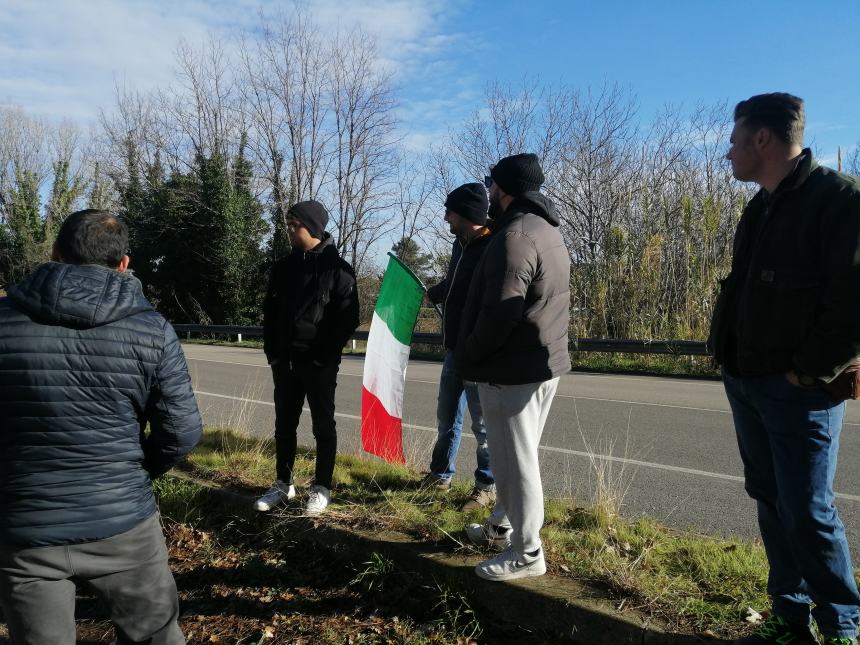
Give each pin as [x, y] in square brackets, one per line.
[385, 367]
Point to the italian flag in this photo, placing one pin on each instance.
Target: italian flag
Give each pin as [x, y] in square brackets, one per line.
[386, 359]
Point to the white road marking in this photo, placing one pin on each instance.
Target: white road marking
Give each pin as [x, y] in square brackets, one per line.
[564, 451]
[564, 396]
[656, 405]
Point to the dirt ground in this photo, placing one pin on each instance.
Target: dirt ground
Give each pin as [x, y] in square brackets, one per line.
[247, 592]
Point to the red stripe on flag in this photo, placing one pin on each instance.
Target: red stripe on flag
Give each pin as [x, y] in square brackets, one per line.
[381, 433]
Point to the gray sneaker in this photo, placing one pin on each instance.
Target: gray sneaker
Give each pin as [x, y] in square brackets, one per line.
[278, 494]
[489, 536]
[479, 498]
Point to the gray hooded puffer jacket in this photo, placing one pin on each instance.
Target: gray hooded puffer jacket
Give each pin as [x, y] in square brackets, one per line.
[515, 323]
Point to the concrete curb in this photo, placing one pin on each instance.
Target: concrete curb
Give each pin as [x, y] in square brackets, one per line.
[549, 606]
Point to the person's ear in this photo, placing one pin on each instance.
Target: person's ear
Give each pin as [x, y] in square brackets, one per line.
[123, 264]
[762, 138]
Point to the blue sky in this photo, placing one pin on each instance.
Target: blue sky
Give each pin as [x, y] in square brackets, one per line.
[61, 58]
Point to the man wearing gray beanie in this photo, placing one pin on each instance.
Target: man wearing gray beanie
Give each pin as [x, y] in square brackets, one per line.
[513, 344]
[466, 214]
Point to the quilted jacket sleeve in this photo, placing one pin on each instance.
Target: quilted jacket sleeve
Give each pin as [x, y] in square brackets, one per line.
[340, 317]
[271, 339]
[175, 425]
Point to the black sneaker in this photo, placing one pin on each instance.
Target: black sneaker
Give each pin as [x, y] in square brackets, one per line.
[775, 631]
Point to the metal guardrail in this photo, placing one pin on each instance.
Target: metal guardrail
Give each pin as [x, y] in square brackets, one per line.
[604, 345]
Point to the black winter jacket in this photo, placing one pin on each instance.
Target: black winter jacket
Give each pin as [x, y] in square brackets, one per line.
[85, 362]
[311, 306]
[515, 322]
[452, 291]
[792, 298]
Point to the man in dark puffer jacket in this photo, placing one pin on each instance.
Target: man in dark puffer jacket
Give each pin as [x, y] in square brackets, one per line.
[310, 311]
[85, 363]
[466, 214]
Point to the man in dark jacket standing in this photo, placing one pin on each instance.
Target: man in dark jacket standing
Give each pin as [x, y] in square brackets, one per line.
[513, 343]
[310, 311]
[85, 363]
[466, 214]
[785, 328]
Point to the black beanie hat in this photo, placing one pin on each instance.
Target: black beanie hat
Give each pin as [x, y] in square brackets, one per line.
[312, 215]
[469, 201]
[518, 174]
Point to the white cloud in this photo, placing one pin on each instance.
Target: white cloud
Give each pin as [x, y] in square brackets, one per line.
[63, 58]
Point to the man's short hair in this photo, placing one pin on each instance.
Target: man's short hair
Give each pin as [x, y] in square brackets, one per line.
[92, 237]
[781, 113]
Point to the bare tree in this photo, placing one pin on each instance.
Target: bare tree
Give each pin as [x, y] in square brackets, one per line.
[363, 145]
[852, 166]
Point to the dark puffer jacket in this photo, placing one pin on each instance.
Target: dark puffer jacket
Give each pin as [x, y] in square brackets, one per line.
[514, 326]
[311, 305]
[452, 291]
[85, 362]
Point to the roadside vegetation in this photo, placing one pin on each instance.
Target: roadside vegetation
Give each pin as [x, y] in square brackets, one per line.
[245, 577]
[692, 582]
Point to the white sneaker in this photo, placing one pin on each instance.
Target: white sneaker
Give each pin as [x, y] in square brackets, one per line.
[510, 565]
[275, 496]
[318, 500]
[487, 535]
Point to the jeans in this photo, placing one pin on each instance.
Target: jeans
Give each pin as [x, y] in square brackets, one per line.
[516, 416]
[295, 380]
[128, 571]
[789, 440]
[454, 396]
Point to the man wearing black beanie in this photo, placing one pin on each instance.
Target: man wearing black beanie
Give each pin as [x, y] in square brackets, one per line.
[466, 213]
[513, 343]
[310, 311]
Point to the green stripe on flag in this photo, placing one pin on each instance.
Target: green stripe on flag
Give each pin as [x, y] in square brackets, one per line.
[399, 300]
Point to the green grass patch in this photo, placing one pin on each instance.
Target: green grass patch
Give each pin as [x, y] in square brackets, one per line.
[668, 365]
[692, 581]
[253, 343]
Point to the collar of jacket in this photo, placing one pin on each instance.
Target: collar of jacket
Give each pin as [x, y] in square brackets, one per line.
[482, 232]
[804, 167]
[325, 244]
[534, 202]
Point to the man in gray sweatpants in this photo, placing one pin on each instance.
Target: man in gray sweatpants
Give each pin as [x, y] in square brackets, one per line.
[513, 343]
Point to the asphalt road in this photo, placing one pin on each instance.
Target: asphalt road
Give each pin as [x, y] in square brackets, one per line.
[669, 443]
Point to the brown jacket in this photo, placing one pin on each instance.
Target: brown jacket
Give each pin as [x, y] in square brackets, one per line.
[516, 318]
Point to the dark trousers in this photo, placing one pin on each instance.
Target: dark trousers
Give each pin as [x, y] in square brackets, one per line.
[293, 382]
[128, 571]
